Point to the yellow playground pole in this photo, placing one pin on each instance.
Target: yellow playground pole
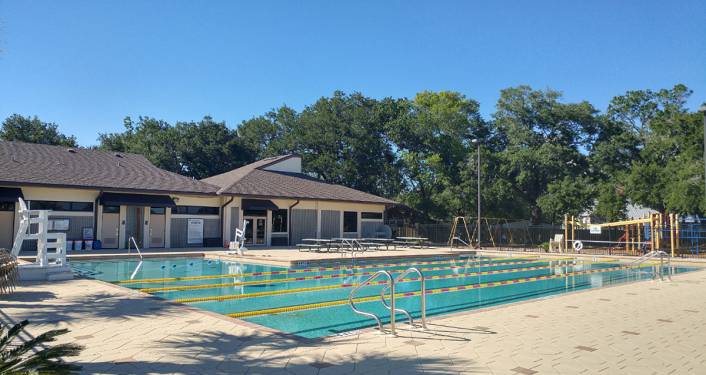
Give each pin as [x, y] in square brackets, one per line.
[627, 240]
[639, 239]
[652, 232]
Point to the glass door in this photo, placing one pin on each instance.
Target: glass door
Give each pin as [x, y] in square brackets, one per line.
[255, 230]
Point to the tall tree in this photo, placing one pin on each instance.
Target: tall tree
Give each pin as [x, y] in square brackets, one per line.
[434, 139]
[33, 130]
[543, 139]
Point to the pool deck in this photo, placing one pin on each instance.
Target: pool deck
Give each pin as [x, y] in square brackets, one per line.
[647, 327]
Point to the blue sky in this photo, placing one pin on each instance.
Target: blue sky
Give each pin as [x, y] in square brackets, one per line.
[87, 64]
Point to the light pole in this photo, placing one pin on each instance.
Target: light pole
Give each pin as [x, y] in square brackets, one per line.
[477, 142]
[703, 112]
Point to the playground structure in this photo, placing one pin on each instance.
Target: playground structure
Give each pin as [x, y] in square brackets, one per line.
[50, 261]
[655, 232]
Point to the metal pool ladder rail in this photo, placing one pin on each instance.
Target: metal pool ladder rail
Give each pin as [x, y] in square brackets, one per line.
[391, 284]
[423, 296]
[131, 241]
[651, 255]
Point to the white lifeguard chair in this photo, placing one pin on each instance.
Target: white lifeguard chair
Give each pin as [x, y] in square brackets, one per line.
[50, 263]
[237, 247]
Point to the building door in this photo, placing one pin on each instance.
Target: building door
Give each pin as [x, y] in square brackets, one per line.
[110, 229]
[7, 224]
[157, 225]
[255, 230]
[133, 225]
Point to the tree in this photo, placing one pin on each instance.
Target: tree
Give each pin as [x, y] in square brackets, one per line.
[33, 130]
[542, 138]
[268, 135]
[667, 175]
[434, 142]
[208, 148]
[155, 139]
[194, 149]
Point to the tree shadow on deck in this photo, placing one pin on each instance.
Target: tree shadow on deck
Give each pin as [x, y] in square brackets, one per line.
[215, 352]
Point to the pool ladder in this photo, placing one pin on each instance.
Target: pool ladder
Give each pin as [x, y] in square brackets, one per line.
[659, 271]
[391, 306]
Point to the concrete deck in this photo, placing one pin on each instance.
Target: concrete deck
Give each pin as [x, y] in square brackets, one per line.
[640, 328]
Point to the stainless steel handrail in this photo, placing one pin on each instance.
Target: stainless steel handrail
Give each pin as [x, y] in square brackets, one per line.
[653, 254]
[391, 284]
[423, 296]
[132, 239]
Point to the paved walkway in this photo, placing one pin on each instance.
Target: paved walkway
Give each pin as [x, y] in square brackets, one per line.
[640, 328]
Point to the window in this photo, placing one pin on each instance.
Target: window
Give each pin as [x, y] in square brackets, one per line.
[350, 222]
[371, 215]
[195, 210]
[111, 209]
[279, 221]
[255, 213]
[157, 210]
[7, 206]
[61, 206]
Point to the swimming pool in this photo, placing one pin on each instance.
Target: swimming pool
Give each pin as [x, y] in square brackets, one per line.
[311, 301]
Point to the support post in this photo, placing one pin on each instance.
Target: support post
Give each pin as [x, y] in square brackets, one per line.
[671, 233]
[566, 233]
[639, 239]
[676, 227]
[627, 240]
[573, 231]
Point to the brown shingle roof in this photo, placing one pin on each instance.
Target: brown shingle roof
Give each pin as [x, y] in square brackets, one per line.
[37, 164]
[253, 180]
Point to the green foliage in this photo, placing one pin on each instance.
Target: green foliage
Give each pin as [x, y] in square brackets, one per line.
[541, 157]
[32, 130]
[195, 149]
[34, 356]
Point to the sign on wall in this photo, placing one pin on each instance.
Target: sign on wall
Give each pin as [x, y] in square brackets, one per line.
[61, 224]
[595, 229]
[194, 232]
[88, 233]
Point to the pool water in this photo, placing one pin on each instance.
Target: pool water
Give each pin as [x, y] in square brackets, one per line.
[311, 301]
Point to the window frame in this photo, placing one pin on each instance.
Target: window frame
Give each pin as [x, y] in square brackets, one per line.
[286, 220]
[378, 215]
[349, 215]
[61, 206]
[111, 210]
[196, 210]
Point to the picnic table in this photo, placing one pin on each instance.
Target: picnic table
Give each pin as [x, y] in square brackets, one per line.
[315, 244]
[412, 241]
[387, 242]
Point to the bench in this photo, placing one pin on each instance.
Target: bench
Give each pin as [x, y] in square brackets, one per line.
[309, 247]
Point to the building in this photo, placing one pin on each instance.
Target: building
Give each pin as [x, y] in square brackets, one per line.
[112, 196]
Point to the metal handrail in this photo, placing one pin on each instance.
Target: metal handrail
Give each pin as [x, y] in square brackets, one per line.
[653, 254]
[137, 268]
[391, 283]
[423, 296]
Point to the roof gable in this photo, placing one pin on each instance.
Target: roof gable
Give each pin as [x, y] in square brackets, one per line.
[258, 180]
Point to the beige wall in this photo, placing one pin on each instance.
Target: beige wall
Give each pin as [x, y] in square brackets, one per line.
[303, 204]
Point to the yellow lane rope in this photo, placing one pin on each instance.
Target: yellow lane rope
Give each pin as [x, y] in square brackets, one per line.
[313, 277]
[350, 285]
[315, 269]
[310, 306]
